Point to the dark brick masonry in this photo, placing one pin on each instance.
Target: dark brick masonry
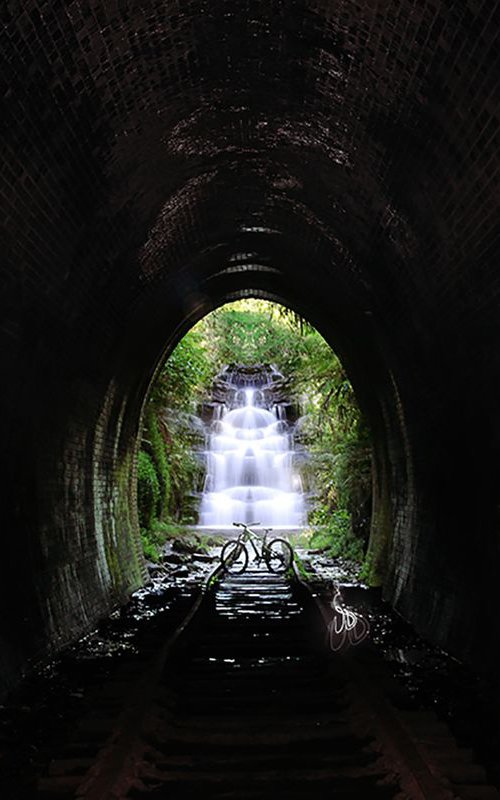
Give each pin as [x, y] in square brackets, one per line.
[159, 158]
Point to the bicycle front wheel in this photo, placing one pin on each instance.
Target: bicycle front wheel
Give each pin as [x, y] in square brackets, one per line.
[234, 557]
[279, 555]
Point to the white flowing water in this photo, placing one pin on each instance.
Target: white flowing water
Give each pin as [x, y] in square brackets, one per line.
[250, 467]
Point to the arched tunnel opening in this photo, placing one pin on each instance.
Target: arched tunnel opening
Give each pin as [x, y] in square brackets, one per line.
[252, 417]
[77, 512]
[160, 161]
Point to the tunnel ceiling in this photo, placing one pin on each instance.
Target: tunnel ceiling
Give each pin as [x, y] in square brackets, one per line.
[149, 141]
[143, 135]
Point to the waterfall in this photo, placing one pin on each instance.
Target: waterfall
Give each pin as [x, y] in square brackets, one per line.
[250, 457]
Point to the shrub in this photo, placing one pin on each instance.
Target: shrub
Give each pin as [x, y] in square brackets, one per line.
[335, 534]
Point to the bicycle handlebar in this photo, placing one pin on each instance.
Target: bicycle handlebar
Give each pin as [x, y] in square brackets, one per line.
[245, 524]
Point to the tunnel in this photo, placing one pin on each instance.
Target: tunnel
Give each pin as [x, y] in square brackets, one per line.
[160, 159]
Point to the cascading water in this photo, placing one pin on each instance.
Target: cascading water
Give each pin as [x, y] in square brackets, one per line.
[251, 475]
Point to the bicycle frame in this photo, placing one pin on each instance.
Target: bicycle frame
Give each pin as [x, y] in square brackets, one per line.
[250, 537]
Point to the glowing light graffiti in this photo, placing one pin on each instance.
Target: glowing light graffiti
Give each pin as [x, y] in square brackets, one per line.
[346, 627]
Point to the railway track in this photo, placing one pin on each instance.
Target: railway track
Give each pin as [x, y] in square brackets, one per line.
[245, 701]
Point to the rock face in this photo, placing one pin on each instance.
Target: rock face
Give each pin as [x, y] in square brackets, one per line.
[274, 386]
[157, 161]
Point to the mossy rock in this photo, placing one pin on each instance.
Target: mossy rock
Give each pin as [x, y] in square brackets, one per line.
[187, 544]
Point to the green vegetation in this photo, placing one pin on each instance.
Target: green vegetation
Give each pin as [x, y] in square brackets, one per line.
[148, 490]
[331, 426]
[335, 535]
[165, 497]
[153, 539]
[301, 567]
[256, 332]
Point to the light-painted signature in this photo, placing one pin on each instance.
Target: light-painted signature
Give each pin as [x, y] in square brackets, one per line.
[346, 628]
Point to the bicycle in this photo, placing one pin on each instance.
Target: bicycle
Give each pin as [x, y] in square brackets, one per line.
[276, 553]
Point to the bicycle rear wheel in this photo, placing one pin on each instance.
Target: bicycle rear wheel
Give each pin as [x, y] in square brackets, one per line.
[279, 555]
[234, 557]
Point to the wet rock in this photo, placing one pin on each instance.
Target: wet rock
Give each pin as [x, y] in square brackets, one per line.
[156, 574]
[173, 558]
[204, 557]
[291, 411]
[186, 545]
[181, 572]
[209, 411]
[359, 593]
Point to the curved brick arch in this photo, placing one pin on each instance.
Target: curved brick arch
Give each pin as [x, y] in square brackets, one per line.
[151, 154]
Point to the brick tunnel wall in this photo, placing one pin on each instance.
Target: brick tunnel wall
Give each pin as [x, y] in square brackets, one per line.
[158, 158]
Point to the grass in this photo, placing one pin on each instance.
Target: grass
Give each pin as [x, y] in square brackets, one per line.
[335, 536]
[338, 545]
[301, 567]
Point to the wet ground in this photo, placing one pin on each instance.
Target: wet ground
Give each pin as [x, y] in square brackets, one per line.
[468, 703]
[54, 695]
[40, 712]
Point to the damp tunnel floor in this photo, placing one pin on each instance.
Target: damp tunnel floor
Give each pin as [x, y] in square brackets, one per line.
[58, 722]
